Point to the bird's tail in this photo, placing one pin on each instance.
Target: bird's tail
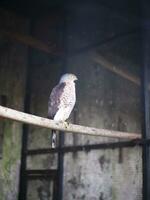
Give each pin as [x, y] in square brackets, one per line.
[53, 139]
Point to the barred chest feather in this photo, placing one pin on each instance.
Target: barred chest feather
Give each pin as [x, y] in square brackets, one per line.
[69, 95]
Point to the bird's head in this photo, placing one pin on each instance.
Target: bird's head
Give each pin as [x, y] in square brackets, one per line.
[68, 78]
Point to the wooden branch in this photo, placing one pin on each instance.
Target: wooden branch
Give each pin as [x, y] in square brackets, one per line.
[51, 124]
[108, 65]
[30, 41]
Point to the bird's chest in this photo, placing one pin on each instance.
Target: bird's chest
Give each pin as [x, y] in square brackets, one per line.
[69, 95]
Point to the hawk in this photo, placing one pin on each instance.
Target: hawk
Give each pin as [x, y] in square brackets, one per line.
[61, 101]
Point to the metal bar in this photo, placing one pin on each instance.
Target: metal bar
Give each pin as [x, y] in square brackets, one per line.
[60, 168]
[62, 135]
[23, 177]
[41, 171]
[68, 149]
[40, 177]
[146, 114]
[41, 151]
[41, 174]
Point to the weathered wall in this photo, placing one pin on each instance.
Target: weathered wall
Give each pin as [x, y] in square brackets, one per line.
[13, 63]
[45, 73]
[104, 100]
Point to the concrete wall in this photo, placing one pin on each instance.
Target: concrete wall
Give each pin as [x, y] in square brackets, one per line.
[104, 100]
[45, 73]
[13, 63]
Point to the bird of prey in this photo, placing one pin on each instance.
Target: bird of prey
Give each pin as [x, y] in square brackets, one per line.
[61, 101]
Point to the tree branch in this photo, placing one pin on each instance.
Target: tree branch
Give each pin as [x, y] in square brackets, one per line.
[72, 128]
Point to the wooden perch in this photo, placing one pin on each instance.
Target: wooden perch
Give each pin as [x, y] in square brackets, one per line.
[30, 41]
[51, 124]
[108, 65]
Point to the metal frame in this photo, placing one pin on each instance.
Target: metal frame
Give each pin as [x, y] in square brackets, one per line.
[62, 135]
[87, 148]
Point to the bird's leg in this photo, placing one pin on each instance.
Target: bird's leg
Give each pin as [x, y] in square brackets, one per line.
[53, 140]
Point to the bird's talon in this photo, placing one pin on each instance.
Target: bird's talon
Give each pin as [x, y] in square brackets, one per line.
[66, 124]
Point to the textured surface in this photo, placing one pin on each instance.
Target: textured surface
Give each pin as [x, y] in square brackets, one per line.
[45, 75]
[100, 174]
[104, 100]
[13, 63]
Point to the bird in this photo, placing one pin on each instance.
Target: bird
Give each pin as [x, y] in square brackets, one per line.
[62, 101]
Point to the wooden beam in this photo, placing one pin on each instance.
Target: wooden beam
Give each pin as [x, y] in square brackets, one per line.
[30, 41]
[71, 128]
[108, 65]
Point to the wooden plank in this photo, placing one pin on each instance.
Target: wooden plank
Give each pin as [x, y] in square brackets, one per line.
[108, 65]
[71, 128]
[30, 41]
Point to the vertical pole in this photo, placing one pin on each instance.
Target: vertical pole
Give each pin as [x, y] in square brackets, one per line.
[146, 106]
[146, 135]
[23, 177]
[61, 135]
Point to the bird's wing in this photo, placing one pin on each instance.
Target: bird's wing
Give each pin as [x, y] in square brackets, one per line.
[55, 99]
